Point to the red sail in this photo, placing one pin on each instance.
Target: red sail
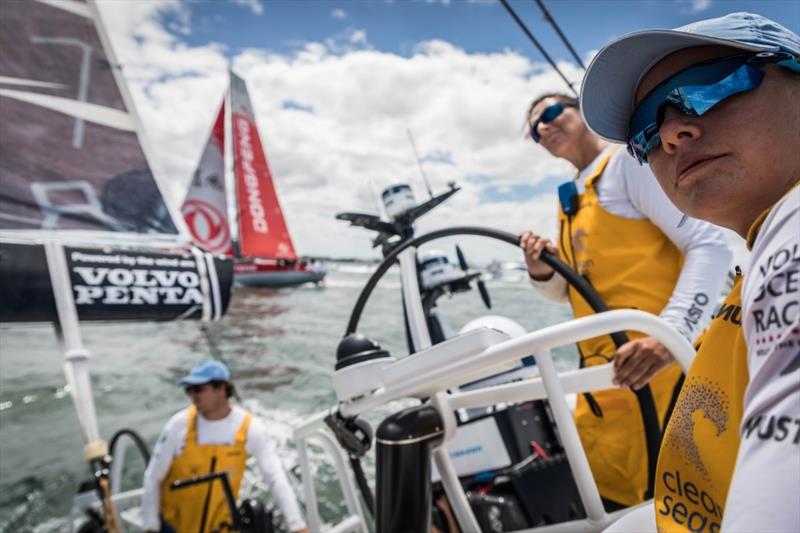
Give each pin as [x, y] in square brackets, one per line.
[262, 229]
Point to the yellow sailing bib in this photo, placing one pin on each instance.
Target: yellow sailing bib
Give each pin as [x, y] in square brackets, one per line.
[183, 508]
[632, 265]
[701, 441]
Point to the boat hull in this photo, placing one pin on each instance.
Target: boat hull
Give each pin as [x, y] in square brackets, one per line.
[269, 275]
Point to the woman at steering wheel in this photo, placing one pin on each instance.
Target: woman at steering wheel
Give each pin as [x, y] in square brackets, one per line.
[636, 249]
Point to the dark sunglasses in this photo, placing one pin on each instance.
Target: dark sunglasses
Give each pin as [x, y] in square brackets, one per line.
[694, 91]
[196, 389]
[549, 114]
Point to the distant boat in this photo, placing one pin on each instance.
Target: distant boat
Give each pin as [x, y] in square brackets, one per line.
[506, 271]
[265, 255]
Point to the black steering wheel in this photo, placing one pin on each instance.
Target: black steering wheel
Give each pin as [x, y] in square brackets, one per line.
[644, 396]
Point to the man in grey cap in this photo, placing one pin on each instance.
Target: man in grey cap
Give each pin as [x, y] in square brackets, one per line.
[714, 109]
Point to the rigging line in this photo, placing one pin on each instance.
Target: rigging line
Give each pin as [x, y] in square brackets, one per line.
[549, 18]
[537, 45]
[419, 162]
[215, 351]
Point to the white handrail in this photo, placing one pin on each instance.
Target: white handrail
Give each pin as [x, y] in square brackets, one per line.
[355, 520]
[433, 377]
[345, 482]
[436, 378]
[573, 381]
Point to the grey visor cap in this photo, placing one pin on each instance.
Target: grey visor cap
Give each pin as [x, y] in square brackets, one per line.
[609, 87]
[612, 78]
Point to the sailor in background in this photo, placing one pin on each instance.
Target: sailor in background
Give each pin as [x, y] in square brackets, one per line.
[617, 229]
[211, 435]
[714, 109]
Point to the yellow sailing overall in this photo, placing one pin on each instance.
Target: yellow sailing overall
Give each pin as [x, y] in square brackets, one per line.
[701, 441]
[632, 265]
[698, 453]
[183, 508]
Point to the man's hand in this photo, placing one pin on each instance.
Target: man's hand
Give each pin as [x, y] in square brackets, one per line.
[637, 361]
[533, 245]
[304, 530]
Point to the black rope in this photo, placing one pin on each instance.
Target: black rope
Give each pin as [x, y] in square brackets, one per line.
[137, 440]
[549, 18]
[537, 45]
[363, 486]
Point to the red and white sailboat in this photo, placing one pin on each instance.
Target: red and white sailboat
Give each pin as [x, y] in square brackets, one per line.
[265, 255]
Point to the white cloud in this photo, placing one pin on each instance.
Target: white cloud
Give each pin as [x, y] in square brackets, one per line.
[693, 7]
[342, 42]
[351, 131]
[358, 37]
[338, 14]
[254, 5]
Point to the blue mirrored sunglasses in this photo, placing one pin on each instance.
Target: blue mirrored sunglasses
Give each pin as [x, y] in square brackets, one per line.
[694, 91]
[549, 114]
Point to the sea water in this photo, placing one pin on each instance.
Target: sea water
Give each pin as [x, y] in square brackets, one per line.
[280, 345]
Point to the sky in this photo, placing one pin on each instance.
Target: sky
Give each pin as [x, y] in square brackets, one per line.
[336, 85]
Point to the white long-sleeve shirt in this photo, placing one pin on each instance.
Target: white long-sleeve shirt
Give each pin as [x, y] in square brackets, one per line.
[259, 444]
[765, 489]
[630, 190]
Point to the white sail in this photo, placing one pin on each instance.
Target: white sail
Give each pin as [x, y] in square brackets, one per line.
[205, 209]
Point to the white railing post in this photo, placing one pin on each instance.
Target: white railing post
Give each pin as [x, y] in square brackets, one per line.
[345, 481]
[417, 324]
[76, 358]
[578, 462]
[312, 511]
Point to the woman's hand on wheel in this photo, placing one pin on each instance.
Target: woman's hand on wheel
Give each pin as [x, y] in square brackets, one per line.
[638, 361]
[533, 244]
